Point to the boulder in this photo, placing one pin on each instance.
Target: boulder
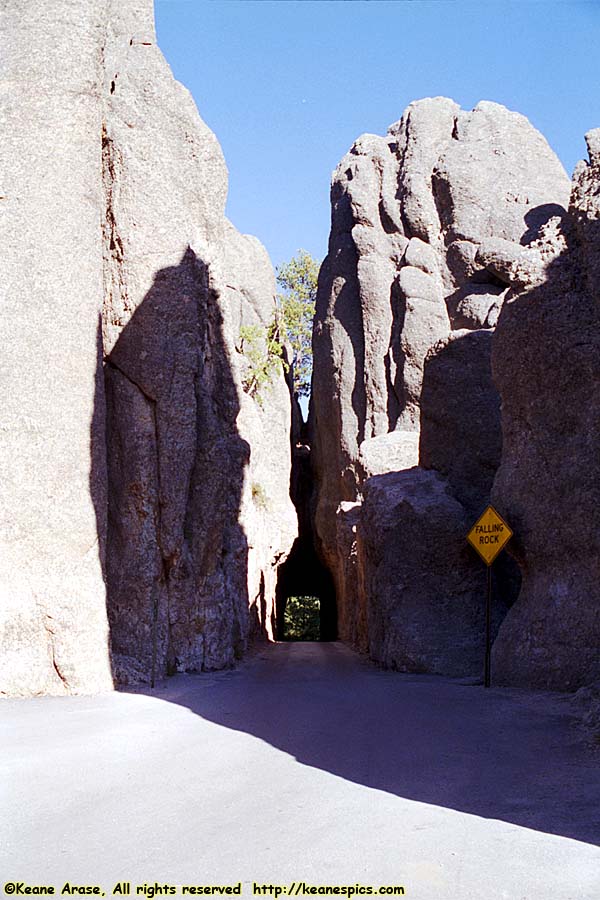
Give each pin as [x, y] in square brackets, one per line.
[425, 590]
[477, 306]
[389, 452]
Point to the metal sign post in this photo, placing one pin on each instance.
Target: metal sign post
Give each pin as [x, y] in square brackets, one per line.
[488, 536]
[488, 630]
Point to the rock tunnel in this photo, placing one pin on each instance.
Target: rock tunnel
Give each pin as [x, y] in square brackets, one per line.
[303, 575]
[440, 386]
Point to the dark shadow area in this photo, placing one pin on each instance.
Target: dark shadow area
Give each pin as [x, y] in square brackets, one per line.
[538, 216]
[546, 363]
[500, 754]
[303, 573]
[395, 358]
[98, 473]
[176, 554]
[461, 429]
[461, 437]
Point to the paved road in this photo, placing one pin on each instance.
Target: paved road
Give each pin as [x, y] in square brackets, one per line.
[306, 763]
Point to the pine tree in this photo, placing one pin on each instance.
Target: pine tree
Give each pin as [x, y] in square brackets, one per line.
[298, 279]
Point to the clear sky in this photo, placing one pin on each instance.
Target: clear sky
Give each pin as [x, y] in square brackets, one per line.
[288, 86]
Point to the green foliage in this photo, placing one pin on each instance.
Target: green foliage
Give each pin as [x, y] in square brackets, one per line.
[259, 495]
[298, 278]
[263, 352]
[263, 347]
[301, 621]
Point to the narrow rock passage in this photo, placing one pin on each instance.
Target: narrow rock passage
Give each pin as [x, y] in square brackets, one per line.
[305, 763]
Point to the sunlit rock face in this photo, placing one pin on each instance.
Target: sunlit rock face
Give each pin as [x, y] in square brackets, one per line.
[411, 289]
[145, 495]
[546, 363]
[53, 623]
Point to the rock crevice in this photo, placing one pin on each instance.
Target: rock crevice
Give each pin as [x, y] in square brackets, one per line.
[145, 510]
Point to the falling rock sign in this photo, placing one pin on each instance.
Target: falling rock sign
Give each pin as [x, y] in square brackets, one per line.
[489, 535]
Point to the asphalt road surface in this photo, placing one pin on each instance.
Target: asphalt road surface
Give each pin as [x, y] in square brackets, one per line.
[305, 764]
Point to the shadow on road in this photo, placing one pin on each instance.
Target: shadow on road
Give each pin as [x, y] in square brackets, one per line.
[501, 754]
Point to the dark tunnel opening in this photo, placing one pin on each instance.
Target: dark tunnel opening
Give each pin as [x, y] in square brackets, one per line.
[305, 590]
[302, 578]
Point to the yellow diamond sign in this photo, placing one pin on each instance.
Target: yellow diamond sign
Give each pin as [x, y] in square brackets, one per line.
[489, 534]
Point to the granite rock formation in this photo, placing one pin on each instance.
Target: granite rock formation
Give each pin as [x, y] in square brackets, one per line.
[53, 624]
[419, 577]
[460, 416]
[161, 496]
[546, 362]
[413, 283]
[145, 493]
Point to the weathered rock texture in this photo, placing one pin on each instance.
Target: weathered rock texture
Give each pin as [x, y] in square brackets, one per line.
[118, 247]
[53, 626]
[546, 364]
[420, 580]
[460, 417]
[413, 282]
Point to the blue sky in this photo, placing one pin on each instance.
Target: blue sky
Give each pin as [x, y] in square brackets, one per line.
[288, 86]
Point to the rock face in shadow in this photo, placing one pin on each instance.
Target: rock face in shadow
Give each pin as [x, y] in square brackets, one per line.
[546, 364]
[412, 285]
[424, 596]
[181, 282]
[172, 481]
[460, 417]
